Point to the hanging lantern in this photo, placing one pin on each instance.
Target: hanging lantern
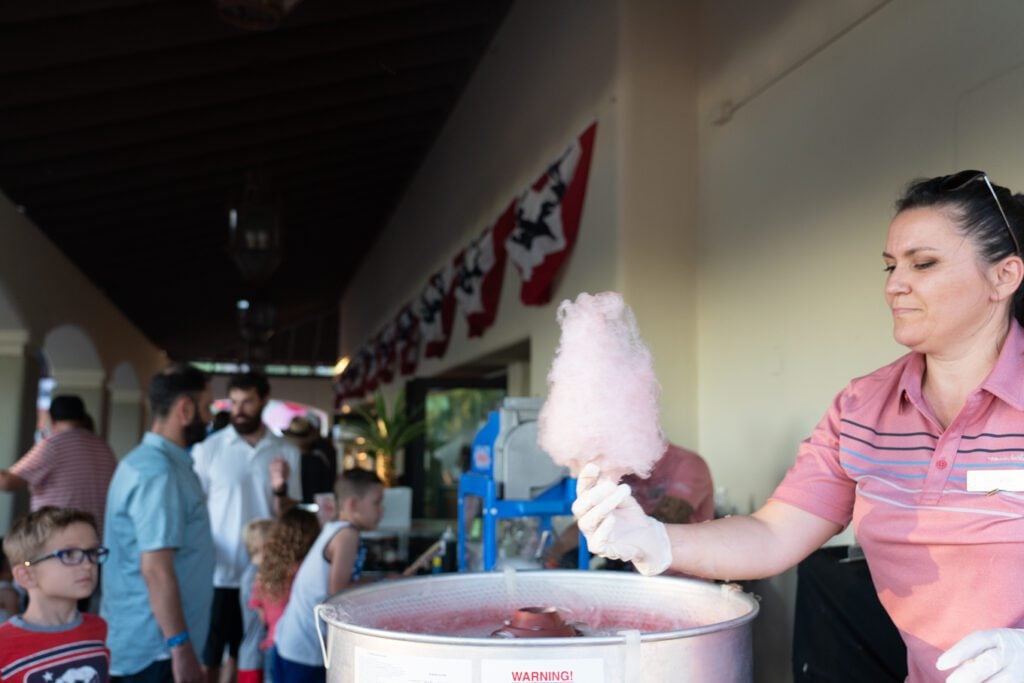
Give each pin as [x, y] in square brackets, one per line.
[255, 231]
[256, 321]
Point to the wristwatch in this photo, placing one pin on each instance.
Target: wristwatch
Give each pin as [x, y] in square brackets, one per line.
[281, 491]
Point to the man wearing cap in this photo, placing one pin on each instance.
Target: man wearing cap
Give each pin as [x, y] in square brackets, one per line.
[318, 466]
[679, 490]
[72, 467]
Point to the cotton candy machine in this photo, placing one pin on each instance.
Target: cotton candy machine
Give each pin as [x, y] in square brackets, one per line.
[633, 628]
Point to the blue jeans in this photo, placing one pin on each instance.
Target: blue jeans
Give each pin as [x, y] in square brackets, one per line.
[285, 671]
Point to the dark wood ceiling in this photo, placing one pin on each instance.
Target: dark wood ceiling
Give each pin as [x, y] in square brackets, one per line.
[127, 127]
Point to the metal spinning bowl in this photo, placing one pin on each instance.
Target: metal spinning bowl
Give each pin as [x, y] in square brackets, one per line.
[635, 628]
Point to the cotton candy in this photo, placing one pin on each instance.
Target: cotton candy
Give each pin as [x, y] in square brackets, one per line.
[602, 403]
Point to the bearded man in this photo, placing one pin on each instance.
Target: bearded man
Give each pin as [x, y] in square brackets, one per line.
[157, 580]
[247, 472]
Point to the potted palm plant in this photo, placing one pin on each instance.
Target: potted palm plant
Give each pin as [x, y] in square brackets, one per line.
[386, 434]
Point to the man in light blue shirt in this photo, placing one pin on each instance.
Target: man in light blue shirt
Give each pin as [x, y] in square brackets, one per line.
[157, 582]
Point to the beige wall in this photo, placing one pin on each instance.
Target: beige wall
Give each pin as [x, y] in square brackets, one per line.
[548, 74]
[552, 69]
[748, 156]
[48, 291]
[796, 191]
[42, 291]
[658, 213]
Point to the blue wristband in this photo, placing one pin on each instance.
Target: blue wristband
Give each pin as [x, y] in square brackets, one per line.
[180, 639]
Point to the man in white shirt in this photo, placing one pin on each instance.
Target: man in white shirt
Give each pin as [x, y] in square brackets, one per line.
[247, 472]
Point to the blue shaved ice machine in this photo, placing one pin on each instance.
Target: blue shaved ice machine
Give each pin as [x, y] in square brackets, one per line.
[512, 477]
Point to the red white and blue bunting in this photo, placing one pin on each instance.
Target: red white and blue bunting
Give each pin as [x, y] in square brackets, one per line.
[537, 232]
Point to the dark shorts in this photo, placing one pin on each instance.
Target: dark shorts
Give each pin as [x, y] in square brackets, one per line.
[157, 672]
[225, 627]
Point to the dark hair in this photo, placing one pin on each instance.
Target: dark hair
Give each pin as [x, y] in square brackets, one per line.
[221, 420]
[250, 380]
[67, 408]
[355, 482]
[975, 212]
[172, 383]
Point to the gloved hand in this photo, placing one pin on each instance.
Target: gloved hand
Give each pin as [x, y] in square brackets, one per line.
[992, 656]
[615, 525]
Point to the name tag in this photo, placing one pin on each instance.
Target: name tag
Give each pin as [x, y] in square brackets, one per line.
[995, 480]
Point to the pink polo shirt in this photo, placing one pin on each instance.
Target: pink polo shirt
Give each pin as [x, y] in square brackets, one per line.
[678, 474]
[945, 561]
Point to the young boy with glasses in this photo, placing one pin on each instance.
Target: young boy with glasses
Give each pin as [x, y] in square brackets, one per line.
[55, 555]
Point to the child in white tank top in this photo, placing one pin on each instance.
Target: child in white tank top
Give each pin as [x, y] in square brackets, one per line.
[332, 565]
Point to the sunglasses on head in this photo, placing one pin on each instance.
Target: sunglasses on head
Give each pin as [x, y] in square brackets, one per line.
[959, 181]
[73, 557]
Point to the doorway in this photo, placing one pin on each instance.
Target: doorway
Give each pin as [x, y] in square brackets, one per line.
[454, 410]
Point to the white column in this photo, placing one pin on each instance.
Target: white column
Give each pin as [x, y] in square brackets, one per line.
[17, 410]
[124, 428]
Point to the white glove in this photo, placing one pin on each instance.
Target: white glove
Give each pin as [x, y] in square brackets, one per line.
[992, 656]
[615, 525]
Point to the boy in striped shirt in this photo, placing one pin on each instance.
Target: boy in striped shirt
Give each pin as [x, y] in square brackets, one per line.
[55, 555]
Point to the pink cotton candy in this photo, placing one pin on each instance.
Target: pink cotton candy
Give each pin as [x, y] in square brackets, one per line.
[602, 403]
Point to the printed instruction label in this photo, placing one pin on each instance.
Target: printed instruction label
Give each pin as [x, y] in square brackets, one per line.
[543, 670]
[388, 668]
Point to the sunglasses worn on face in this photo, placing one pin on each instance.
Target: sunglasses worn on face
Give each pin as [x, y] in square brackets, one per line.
[958, 181]
[73, 557]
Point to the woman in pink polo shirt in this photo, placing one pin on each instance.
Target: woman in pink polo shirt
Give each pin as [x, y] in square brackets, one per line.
[925, 456]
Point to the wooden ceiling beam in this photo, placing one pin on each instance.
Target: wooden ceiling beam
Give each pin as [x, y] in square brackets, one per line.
[314, 124]
[429, 82]
[220, 304]
[247, 71]
[292, 187]
[144, 169]
[64, 34]
[206, 221]
[19, 11]
[114, 189]
[104, 116]
[213, 206]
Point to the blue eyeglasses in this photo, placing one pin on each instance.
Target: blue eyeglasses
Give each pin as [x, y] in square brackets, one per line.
[72, 557]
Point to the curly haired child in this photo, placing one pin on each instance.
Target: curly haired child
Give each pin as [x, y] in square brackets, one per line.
[288, 540]
[250, 657]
